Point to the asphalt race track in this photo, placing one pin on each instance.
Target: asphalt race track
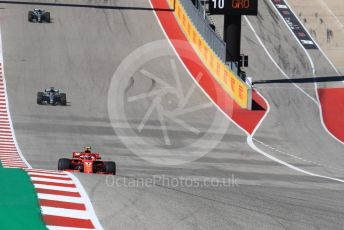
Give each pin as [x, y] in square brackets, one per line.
[85, 51]
[294, 117]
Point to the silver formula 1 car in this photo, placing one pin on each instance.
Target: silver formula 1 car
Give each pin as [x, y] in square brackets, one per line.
[51, 96]
[39, 15]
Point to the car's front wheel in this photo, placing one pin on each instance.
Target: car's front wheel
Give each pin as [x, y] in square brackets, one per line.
[64, 164]
[40, 98]
[30, 16]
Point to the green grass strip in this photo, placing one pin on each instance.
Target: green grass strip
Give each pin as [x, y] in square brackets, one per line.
[19, 207]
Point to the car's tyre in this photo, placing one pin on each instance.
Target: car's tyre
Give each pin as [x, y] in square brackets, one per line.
[98, 166]
[30, 16]
[63, 99]
[46, 17]
[110, 167]
[40, 98]
[64, 164]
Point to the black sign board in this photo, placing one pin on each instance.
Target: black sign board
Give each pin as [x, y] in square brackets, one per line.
[294, 24]
[233, 7]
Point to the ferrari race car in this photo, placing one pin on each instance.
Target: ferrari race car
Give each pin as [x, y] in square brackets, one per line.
[39, 15]
[87, 162]
[51, 96]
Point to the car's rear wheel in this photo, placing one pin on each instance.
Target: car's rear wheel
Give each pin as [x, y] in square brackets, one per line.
[30, 16]
[40, 98]
[110, 167]
[64, 164]
[63, 99]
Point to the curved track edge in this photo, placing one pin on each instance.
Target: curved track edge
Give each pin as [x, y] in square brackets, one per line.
[246, 119]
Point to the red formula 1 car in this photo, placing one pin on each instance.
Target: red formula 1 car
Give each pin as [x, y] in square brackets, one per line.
[87, 162]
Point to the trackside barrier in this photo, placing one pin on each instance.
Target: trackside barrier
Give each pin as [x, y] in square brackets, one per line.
[196, 14]
[230, 82]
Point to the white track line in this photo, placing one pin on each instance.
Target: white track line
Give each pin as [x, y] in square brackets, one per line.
[317, 102]
[253, 146]
[46, 171]
[319, 48]
[52, 180]
[4, 158]
[313, 68]
[48, 174]
[274, 62]
[54, 187]
[87, 202]
[13, 162]
[250, 137]
[70, 199]
[63, 212]
[65, 228]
